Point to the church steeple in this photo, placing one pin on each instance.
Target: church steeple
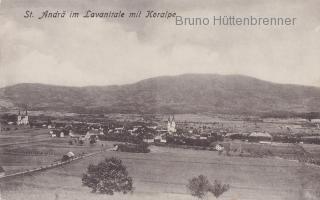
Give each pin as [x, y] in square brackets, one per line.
[171, 124]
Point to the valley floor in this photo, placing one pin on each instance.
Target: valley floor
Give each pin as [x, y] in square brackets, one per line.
[163, 174]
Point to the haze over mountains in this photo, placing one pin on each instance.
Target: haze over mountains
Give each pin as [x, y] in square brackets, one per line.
[188, 93]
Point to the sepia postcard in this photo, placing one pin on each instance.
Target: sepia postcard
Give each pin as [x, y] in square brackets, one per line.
[159, 99]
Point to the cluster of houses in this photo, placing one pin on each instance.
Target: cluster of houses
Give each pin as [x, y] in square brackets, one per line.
[153, 132]
[150, 133]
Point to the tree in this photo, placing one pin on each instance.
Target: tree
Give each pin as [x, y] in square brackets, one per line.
[108, 177]
[217, 189]
[93, 140]
[200, 186]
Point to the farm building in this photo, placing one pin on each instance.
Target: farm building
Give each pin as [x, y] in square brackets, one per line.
[160, 138]
[146, 140]
[68, 156]
[57, 133]
[93, 133]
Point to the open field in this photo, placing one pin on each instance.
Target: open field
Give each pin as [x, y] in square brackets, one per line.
[30, 148]
[165, 172]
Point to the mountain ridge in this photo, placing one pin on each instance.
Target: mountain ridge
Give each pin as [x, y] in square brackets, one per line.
[187, 93]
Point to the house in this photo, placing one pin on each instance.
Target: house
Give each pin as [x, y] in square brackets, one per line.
[152, 127]
[58, 132]
[70, 155]
[115, 148]
[163, 140]
[93, 133]
[146, 140]
[160, 138]
[315, 120]
[203, 137]
[50, 126]
[71, 134]
[119, 130]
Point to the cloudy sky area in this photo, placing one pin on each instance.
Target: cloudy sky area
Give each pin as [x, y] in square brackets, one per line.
[79, 52]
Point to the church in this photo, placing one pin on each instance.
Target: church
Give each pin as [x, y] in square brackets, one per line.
[23, 119]
[171, 127]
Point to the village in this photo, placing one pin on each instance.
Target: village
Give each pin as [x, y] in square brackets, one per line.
[169, 131]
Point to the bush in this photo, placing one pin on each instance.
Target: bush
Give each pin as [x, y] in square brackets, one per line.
[93, 141]
[65, 158]
[200, 186]
[217, 189]
[108, 177]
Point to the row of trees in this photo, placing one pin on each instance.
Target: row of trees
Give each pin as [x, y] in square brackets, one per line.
[134, 148]
[179, 140]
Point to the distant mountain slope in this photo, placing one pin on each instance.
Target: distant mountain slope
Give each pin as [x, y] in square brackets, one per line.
[187, 93]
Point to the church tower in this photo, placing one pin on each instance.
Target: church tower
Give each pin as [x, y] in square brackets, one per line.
[169, 124]
[26, 118]
[171, 127]
[173, 124]
[23, 120]
[19, 118]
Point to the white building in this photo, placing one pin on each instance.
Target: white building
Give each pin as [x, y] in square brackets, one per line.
[171, 126]
[23, 119]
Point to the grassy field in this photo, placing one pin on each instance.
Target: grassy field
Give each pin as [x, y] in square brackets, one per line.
[161, 174]
[30, 148]
[164, 172]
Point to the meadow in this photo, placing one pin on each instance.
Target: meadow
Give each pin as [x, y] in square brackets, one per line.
[164, 173]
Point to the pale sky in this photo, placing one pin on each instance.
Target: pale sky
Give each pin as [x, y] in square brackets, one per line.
[80, 52]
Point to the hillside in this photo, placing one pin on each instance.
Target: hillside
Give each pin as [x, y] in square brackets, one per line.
[189, 93]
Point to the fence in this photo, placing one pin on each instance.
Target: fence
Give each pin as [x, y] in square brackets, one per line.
[53, 165]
